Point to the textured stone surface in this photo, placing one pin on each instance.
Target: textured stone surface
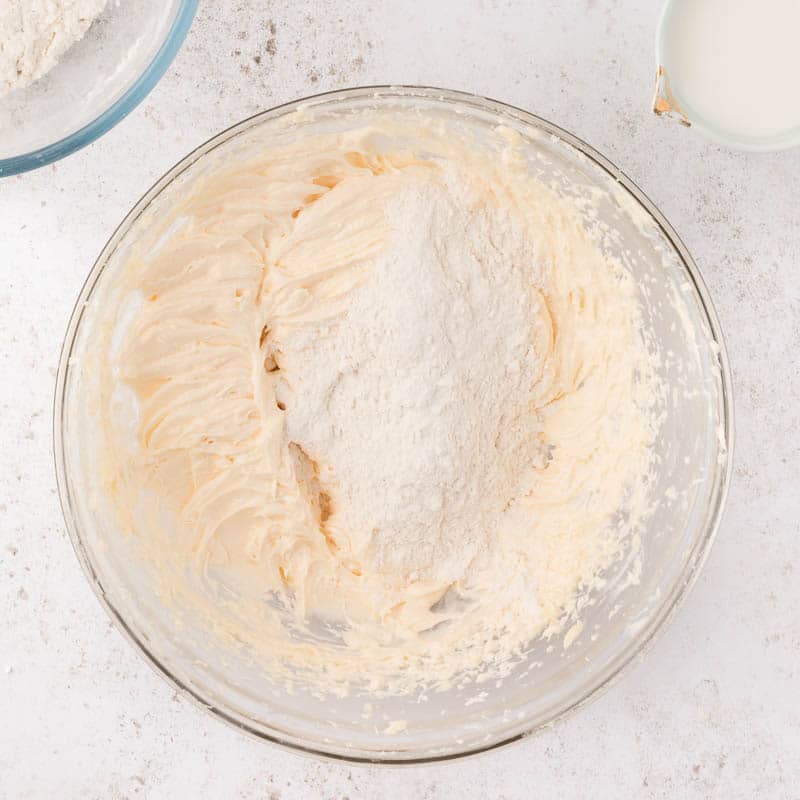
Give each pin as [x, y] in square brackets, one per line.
[714, 711]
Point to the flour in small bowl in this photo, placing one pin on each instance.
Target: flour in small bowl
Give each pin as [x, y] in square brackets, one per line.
[35, 34]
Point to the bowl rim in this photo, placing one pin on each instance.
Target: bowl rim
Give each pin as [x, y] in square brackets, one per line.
[701, 547]
[118, 110]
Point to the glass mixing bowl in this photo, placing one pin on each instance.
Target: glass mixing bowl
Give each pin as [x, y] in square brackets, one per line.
[99, 80]
[555, 676]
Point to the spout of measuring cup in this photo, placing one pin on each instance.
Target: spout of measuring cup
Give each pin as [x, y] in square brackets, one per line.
[664, 102]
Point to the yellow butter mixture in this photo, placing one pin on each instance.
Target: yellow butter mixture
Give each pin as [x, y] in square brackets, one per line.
[376, 410]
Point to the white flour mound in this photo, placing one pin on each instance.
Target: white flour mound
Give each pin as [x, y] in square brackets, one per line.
[417, 401]
[34, 34]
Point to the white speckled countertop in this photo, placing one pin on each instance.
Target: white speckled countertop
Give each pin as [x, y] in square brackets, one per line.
[714, 710]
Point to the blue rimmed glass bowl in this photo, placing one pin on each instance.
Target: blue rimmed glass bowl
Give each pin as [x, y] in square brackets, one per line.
[99, 80]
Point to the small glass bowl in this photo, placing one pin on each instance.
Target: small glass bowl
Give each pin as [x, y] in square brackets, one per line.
[99, 80]
[554, 677]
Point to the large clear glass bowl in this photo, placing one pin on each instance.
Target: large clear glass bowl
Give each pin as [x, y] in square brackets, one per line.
[97, 82]
[694, 469]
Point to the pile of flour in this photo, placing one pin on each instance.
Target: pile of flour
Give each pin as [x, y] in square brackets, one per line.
[416, 402]
[34, 34]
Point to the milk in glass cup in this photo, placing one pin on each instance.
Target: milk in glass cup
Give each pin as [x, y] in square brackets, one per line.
[730, 69]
